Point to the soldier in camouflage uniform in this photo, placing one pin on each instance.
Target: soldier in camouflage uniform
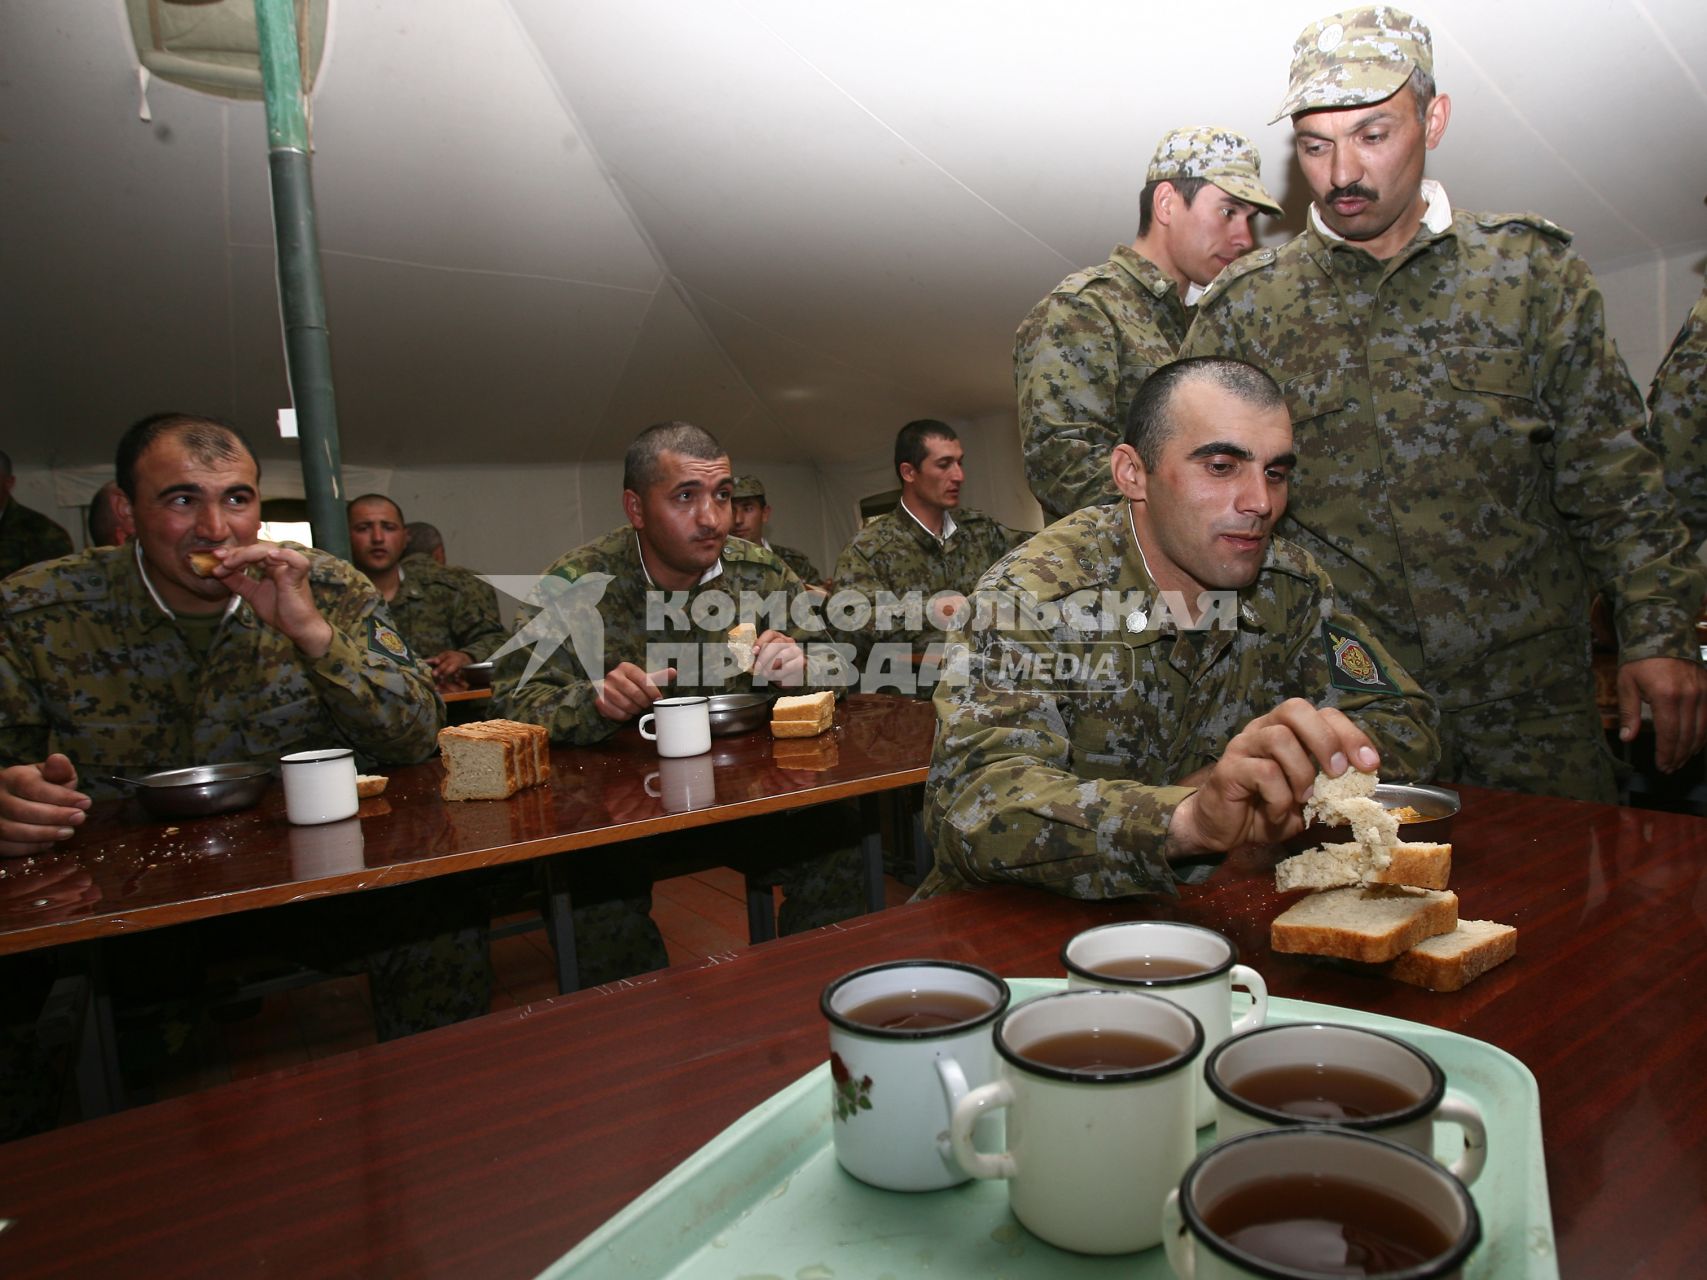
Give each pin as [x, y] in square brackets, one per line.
[1469, 470]
[929, 550]
[26, 536]
[1677, 420]
[1172, 677]
[124, 660]
[446, 615]
[660, 595]
[1083, 352]
[752, 514]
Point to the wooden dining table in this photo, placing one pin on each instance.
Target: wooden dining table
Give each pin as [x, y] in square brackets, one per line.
[490, 1148]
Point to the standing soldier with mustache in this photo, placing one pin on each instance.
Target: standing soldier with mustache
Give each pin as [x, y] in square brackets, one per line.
[1469, 471]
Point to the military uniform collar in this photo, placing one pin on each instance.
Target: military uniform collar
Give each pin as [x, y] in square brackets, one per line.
[948, 525]
[715, 571]
[231, 607]
[1152, 278]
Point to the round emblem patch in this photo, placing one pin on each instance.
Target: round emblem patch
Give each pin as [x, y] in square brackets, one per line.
[390, 641]
[1330, 38]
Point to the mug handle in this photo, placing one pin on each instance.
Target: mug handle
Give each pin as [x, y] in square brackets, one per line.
[1456, 1109]
[650, 737]
[954, 1088]
[1252, 981]
[967, 1112]
[646, 785]
[1176, 1240]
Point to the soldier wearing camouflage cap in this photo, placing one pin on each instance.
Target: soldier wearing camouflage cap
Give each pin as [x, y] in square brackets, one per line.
[1084, 350]
[1677, 420]
[1469, 469]
[753, 514]
[1181, 678]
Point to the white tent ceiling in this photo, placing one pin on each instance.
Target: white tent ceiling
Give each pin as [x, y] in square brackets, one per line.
[545, 223]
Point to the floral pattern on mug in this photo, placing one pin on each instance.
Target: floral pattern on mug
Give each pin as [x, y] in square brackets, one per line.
[852, 1096]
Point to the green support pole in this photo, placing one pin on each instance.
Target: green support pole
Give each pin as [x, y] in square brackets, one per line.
[308, 350]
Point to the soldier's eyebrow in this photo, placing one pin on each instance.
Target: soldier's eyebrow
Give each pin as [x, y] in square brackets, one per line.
[196, 489]
[1222, 449]
[1381, 115]
[1287, 460]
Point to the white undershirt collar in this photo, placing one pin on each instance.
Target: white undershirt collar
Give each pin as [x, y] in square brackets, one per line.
[948, 525]
[231, 607]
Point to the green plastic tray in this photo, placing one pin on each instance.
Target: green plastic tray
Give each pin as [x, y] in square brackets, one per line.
[766, 1200]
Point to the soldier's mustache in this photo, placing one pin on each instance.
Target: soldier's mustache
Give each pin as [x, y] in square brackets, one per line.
[1356, 191]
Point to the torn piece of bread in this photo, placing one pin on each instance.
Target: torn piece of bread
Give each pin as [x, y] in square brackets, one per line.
[369, 785]
[1350, 798]
[492, 759]
[1369, 923]
[1453, 960]
[1422, 866]
[203, 563]
[803, 716]
[743, 640]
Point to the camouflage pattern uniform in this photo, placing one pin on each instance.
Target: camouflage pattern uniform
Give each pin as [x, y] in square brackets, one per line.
[898, 555]
[799, 561]
[1070, 789]
[1083, 352]
[1468, 472]
[1079, 359]
[439, 607]
[27, 537]
[1677, 420]
[614, 932]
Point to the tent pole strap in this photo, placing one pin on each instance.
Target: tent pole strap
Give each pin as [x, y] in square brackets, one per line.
[302, 302]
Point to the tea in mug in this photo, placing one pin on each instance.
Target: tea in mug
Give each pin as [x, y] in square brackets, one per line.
[1326, 1226]
[1141, 967]
[1092, 1049]
[1329, 1094]
[919, 1010]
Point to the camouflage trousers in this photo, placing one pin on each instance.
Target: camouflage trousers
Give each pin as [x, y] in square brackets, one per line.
[1546, 742]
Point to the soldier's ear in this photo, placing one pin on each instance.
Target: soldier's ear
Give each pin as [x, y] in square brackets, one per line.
[908, 472]
[632, 508]
[1435, 118]
[1127, 469]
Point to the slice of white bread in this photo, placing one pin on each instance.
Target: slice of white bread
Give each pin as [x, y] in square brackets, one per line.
[803, 716]
[743, 639]
[1423, 866]
[1349, 798]
[492, 759]
[1454, 960]
[1369, 923]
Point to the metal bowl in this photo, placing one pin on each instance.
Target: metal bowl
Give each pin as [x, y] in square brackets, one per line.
[204, 789]
[478, 675]
[1437, 805]
[738, 712]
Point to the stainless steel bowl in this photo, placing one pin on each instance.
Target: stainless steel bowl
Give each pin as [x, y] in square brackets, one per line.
[1437, 805]
[201, 790]
[738, 712]
[478, 675]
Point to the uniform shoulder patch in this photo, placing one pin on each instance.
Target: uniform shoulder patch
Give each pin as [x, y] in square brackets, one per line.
[1355, 667]
[1547, 227]
[382, 639]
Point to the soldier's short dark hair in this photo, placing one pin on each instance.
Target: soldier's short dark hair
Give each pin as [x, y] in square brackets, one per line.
[374, 497]
[209, 440]
[1422, 85]
[640, 464]
[424, 539]
[1149, 422]
[910, 441]
[1187, 188]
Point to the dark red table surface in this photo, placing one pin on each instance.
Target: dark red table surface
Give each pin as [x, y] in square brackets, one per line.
[491, 1147]
[125, 870]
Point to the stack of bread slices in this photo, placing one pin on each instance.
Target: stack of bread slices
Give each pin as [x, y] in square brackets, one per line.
[493, 759]
[805, 716]
[1379, 900]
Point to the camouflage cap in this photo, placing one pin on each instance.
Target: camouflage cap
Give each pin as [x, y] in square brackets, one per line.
[1355, 57]
[748, 487]
[1217, 155]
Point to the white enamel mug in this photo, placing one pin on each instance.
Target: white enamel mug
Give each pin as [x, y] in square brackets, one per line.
[1198, 1219]
[1091, 1153]
[1318, 1045]
[1205, 992]
[894, 1088]
[682, 726]
[320, 786]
